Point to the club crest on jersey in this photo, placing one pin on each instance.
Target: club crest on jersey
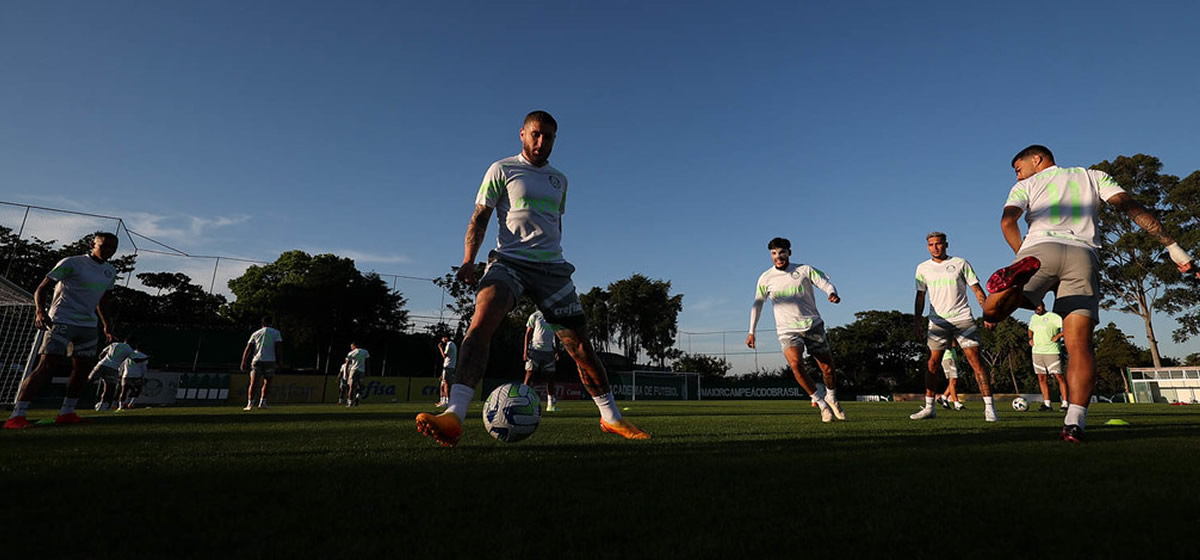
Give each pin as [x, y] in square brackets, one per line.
[108, 273]
[554, 182]
[951, 268]
[796, 273]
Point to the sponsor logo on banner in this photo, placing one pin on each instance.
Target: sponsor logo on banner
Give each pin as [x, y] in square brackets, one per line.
[750, 392]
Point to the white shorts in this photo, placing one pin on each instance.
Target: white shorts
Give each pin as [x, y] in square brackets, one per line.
[1047, 364]
[941, 331]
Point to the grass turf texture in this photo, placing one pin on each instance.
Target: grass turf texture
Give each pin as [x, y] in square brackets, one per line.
[718, 479]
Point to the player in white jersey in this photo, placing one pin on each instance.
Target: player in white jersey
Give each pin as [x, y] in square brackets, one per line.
[107, 372]
[133, 378]
[529, 197]
[266, 350]
[950, 368]
[357, 362]
[1059, 253]
[80, 296]
[789, 286]
[1045, 338]
[541, 354]
[449, 352]
[947, 280]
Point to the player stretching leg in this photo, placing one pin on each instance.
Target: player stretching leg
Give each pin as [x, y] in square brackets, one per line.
[789, 286]
[541, 354]
[79, 299]
[1059, 252]
[529, 197]
[947, 279]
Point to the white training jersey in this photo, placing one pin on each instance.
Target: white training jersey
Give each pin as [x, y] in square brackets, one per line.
[358, 359]
[135, 365]
[451, 359]
[81, 282]
[1061, 205]
[529, 203]
[791, 294]
[947, 284]
[1045, 327]
[543, 336]
[264, 340]
[114, 354]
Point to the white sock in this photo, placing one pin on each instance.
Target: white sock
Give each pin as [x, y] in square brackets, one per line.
[928, 402]
[608, 407]
[989, 402]
[250, 403]
[1046, 402]
[1076, 415]
[819, 394]
[68, 406]
[831, 394]
[19, 409]
[1065, 404]
[262, 402]
[460, 398]
[549, 400]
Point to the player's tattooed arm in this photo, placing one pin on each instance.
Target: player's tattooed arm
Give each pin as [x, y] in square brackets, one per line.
[1143, 217]
[476, 228]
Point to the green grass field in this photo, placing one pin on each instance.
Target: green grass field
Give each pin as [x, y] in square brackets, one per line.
[718, 479]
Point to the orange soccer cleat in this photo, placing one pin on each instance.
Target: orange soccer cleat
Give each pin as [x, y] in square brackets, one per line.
[623, 428]
[446, 428]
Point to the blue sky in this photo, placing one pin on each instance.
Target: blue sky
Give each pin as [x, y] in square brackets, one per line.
[691, 132]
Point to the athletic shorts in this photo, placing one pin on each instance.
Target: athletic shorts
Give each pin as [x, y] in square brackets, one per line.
[540, 361]
[135, 383]
[549, 285]
[265, 370]
[1071, 272]
[447, 374]
[941, 331]
[950, 367]
[81, 340]
[107, 374]
[357, 376]
[813, 339]
[1047, 364]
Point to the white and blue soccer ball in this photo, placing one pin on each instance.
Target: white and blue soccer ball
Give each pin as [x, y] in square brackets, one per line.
[1020, 405]
[512, 412]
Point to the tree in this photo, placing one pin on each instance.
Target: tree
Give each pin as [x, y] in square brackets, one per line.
[462, 303]
[1135, 273]
[28, 261]
[705, 365]
[645, 316]
[1184, 300]
[1006, 348]
[1114, 353]
[318, 301]
[184, 301]
[595, 307]
[878, 352]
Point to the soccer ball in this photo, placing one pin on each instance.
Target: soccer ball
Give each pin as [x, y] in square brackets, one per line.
[1020, 405]
[512, 412]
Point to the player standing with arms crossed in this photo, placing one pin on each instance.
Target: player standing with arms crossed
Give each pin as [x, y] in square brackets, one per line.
[789, 286]
[1059, 253]
[529, 198]
[947, 279]
[80, 295]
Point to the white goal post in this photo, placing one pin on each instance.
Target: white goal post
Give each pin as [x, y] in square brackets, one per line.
[19, 339]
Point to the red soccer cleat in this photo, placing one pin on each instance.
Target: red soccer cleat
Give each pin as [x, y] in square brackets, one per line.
[1015, 274]
[18, 423]
[72, 418]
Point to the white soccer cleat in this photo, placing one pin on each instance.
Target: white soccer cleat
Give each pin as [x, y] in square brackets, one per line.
[989, 414]
[826, 414]
[925, 413]
[836, 407]
[248, 408]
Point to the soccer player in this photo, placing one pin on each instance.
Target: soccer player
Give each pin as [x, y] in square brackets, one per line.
[356, 369]
[950, 368]
[449, 352]
[107, 371]
[80, 296]
[529, 198]
[343, 383]
[1059, 253]
[789, 286]
[947, 280]
[540, 354]
[133, 378]
[266, 347]
[1045, 335]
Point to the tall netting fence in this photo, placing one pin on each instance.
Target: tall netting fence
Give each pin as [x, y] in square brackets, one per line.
[17, 338]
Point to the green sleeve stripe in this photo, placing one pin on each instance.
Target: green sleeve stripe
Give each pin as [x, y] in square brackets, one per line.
[491, 189]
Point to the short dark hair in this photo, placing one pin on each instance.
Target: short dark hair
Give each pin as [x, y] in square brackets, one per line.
[1034, 150]
[541, 117]
[779, 243]
[130, 340]
[105, 235]
[937, 234]
[266, 320]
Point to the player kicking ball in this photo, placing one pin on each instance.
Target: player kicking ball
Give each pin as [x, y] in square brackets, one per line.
[947, 280]
[789, 286]
[1059, 253]
[529, 198]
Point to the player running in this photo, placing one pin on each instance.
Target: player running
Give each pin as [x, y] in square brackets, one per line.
[80, 296]
[947, 280]
[107, 372]
[1059, 253]
[1045, 336]
[529, 198]
[133, 378]
[541, 353]
[265, 345]
[789, 286]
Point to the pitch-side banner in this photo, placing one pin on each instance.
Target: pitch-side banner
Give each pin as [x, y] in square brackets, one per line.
[291, 389]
